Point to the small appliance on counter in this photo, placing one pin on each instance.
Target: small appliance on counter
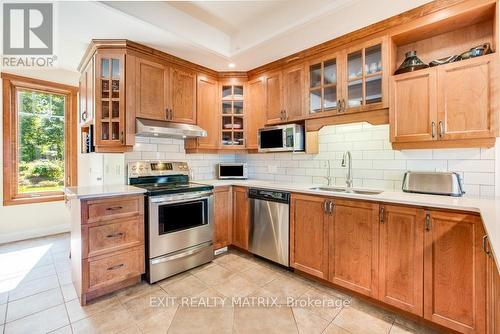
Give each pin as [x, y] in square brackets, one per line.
[434, 183]
[232, 170]
[281, 138]
[178, 217]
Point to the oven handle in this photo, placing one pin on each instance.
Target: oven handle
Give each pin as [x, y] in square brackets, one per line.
[192, 251]
[182, 198]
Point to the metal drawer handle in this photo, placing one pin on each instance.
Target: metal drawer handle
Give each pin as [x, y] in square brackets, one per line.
[433, 129]
[382, 215]
[118, 266]
[112, 208]
[115, 235]
[485, 238]
[428, 222]
[441, 129]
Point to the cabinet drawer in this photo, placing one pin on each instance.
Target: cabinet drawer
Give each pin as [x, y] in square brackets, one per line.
[116, 235]
[115, 268]
[114, 208]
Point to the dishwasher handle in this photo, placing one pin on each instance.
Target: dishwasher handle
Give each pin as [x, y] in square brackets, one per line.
[269, 195]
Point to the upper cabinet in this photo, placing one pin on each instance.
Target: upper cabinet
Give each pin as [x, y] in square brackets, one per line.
[324, 90]
[152, 90]
[183, 96]
[274, 97]
[256, 111]
[207, 108]
[233, 121]
[293, 92]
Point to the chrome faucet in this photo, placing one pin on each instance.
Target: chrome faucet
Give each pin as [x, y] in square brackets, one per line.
[328, 176]
[348, 177]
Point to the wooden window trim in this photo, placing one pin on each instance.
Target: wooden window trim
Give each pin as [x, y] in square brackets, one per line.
[11, 84]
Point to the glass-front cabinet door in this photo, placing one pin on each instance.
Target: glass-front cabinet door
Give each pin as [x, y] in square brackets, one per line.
[232, 115]
[110, 99]
[366, 77]
[323, 87]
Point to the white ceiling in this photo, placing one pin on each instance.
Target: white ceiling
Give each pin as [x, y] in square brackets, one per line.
[215, 33]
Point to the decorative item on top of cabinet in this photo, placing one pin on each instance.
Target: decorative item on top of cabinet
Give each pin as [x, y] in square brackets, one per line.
[366, 85]
[309, 220]
[353, 244]
[255, 111]
[454, 271]
[223, 216]
[241, 217]
[324, 88]
[401, 267]
[233, 121]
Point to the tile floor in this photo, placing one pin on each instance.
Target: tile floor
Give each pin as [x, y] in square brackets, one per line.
[37, 296]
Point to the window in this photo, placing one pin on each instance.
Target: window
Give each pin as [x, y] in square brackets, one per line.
[39, 149]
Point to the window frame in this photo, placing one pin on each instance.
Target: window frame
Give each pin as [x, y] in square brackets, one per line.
[11, 85]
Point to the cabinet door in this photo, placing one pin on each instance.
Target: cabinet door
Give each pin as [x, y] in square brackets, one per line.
[222, 217]
[309, 235]
[466, 98]
[110, 101]
[274, 98]
[240, 217]
[492, 295]
[183, 96]
[256, 111]
[401, 269]
[353, 242]
[455, 271]
[324, 92]
[152, 90]
[208, 112]
[82, 98]
[413, 115]
[90, 90]
[293, 92]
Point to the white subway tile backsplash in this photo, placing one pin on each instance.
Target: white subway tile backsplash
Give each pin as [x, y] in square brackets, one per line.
[427, 165]
[143, 147]
[472, 165]
[479, 178]
[453, 154]
[379, 154]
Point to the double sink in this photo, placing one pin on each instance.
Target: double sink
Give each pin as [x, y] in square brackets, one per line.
[346, 190]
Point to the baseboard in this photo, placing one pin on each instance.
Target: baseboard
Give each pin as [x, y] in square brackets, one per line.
[34, 233]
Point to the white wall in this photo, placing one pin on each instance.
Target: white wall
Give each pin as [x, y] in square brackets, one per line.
[30, 220]
[375, 163]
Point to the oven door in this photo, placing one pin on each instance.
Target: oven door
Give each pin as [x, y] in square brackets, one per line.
[179, 221]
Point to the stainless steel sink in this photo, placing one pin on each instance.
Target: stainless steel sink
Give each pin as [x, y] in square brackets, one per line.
[344, 190]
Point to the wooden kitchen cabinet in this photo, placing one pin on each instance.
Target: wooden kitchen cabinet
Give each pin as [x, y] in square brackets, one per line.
[256, 111]
[309, 220]
[353, 244]
[152, 94]
[223, 217]
[451, 105]
[233, 121]
[86, 94]
[241, 217]
[274, 97]
[401, 267]
[492, 292]
[454, 271]
[293, 92]
[183, 96]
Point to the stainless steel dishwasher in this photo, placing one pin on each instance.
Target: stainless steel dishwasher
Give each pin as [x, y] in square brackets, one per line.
[269, 224]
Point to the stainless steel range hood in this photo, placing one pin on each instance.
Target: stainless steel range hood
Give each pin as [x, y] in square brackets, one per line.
[152, 128]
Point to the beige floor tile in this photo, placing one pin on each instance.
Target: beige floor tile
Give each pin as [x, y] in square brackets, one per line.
[33, 287]
[63, 330]
[30, 274]
[207, 320]
[136, 290]
[259, 275]
[283, 288]
[237, 264]
[159, 323]
[115, 319]
[41, 322]
[213, 274]
[372, 310]
[69, 292]
[133, 329]
[147, 305]
[64, 277]
[3, 310]
[63, 265]
[4, 296]
[309, 322]
[186, 286]
[402, 324]
[334, 329]
[264, 320]
[33, 304]
[77, 312]
[357, 321]
[328, 309]
[236, 286]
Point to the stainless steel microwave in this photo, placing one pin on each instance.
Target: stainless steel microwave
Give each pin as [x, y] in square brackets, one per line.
[232, 170]
[282, 138]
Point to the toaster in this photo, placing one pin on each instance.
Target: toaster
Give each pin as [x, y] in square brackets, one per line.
[435, 183]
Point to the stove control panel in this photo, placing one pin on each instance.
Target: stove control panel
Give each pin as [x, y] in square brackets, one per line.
[156, 168]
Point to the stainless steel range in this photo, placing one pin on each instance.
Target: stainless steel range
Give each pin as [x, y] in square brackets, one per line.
[179, 217]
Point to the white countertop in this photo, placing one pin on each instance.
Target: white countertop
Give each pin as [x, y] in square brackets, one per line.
[102, 191]
[488, 208]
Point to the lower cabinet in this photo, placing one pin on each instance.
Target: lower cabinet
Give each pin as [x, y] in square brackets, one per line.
[309, 234]
[401, 266]
[241, 217]
[454, 271]
[353, 244]
[223, 217]
[492, 295]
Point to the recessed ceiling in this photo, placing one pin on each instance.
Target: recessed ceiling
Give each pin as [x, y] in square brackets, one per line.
[215, 33]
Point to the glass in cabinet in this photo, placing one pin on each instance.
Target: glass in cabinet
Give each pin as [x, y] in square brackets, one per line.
[232, 121]
[323, 85]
